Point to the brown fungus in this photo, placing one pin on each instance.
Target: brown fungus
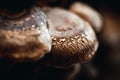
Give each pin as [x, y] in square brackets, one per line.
[89, 14]
[73, 39]
[24, 36]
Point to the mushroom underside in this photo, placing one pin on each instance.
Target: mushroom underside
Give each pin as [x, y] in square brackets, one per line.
[73, 39]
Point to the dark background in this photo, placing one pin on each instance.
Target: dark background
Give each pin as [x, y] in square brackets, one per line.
[104, 66]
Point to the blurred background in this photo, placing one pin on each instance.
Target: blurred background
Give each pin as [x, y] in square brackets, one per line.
[106, 63]
[104, 66]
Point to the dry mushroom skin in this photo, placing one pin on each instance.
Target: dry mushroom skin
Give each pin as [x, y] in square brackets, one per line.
[73, 40]
[24, 37]
[89, 14]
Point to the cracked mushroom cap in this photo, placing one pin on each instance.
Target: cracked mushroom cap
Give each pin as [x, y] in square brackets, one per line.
[73, 39]
[24, 35]
[89, 14]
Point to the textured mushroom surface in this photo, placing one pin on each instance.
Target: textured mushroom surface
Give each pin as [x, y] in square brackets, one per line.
[89, 14]
[73, 40]
[24, 36]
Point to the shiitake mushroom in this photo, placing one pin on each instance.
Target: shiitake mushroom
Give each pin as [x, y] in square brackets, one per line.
[24, 35]
[73, 39]
[88, 14]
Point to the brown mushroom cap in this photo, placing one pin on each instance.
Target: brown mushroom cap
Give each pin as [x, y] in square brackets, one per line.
[24, 37]
[73, 40]
[89, 14]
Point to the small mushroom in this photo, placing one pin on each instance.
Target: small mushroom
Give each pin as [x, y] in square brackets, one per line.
[24, 35]
[73, 39]
[89, 14]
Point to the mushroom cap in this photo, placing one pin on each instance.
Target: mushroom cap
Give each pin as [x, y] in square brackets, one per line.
[73, 39]
[89, 14]
[24, 37]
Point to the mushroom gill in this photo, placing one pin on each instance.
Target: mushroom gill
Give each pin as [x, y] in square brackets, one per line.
[73, 39]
